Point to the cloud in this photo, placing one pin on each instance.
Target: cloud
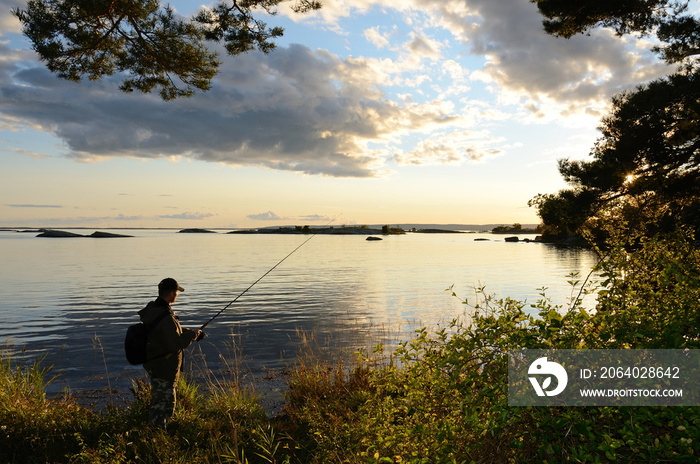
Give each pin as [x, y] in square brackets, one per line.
[312, 112]
[8, 23]
[122, 217]
[188, 216]
[296, 110]
[80, 221]
[424, 46]
[271, 216]
[22, 152]
[451, 148]
[522, 61]
[33, 206]
[522, 58]
[376, 38]
[315, 218]
[268, 216]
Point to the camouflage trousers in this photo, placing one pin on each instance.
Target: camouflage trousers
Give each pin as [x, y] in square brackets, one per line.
[162, 402]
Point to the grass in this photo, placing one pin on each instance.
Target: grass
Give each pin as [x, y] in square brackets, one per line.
[215, 420]
[218, 427]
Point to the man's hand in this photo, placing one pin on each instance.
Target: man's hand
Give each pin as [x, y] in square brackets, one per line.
[200, 335]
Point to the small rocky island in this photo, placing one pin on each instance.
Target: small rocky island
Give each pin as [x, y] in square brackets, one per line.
[50, 233]
[306, 230]
[515, 229]
[196, 231]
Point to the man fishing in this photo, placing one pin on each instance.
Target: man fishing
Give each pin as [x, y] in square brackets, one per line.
[168, 339]
[166, 342]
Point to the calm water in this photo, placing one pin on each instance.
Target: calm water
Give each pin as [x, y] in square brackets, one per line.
[72, 299]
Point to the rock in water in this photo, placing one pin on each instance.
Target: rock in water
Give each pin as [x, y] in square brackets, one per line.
[100, 234]
[59, 234]
[196, 231]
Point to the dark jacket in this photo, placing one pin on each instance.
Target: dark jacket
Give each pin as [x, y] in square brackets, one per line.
[167, 338]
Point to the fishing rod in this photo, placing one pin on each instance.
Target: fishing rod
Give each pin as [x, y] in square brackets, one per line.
[266, 273]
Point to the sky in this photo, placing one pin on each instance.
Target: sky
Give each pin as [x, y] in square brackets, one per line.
[368, 111]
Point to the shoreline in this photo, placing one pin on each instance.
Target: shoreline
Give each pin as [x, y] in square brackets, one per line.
[296, 230]
[403, 225]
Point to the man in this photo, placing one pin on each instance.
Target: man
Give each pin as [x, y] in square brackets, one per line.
[166, 342]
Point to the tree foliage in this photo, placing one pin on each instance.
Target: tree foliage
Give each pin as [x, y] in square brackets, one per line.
[147, 41]
[678, 31]
[564, 213]
[647, 161]
[645, 168]
[566, 18]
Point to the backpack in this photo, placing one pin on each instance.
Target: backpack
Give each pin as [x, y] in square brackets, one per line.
[137, 339]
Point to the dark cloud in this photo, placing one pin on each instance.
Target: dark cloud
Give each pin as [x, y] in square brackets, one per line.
[294, 109]
[523, 58]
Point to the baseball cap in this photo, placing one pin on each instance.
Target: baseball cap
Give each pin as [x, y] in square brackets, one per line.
[168, 285]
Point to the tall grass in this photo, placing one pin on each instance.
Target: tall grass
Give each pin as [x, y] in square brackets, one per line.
[217, 427]
[218, 418]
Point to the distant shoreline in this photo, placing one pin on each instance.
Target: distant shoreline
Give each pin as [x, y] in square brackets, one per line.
[485, 228]
[371, 232]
